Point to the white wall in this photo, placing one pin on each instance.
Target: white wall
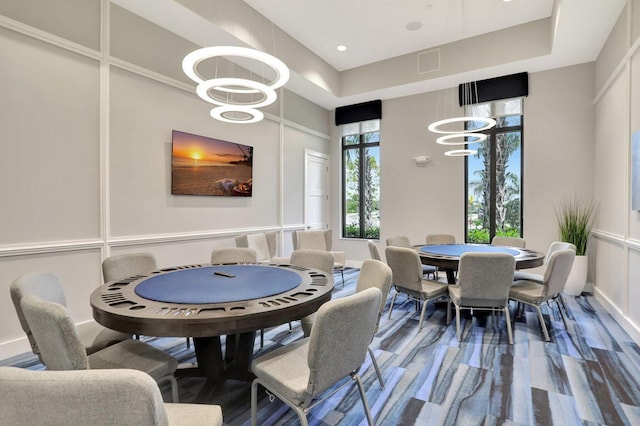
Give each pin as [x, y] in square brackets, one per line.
[617, 238]
[86, 153]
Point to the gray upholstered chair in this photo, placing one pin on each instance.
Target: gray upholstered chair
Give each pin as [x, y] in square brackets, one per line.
[484, 280]
[301, 372]
[128, 265]
[539, 278]
[500, 240]
[93, 397]
[373, 273]
[407, 278]
[403, 241]
[373, 250]
[47, 286]
[319, 239]
[123, 266]
[265, 244]
[233, 255]
[555, 277]
[313, 259]
[61, 349]
[440, 239]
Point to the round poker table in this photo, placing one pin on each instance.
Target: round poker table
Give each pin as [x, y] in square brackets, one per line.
[447, 256]
[207, 301]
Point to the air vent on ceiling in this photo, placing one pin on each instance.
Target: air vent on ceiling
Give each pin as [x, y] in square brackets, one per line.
[429, 61]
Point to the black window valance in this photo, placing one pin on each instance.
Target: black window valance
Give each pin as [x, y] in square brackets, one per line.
[371, 110]
[491, 89]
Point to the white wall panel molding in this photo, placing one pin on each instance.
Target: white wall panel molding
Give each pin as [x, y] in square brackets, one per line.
[634, 245]
[618, 240]
[50, 247]
[609, 236]
[46, 37]
[204, 235]
[306, 130]
[624, 321]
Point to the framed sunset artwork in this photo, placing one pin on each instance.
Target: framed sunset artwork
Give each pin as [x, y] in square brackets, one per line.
[202, 165]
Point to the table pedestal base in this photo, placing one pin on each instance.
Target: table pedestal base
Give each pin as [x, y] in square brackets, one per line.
[235, 364]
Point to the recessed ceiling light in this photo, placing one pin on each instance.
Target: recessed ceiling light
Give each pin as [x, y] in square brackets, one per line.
[414, 25]
[341, 48]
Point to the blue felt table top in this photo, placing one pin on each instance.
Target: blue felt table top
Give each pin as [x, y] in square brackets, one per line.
[201, 285]
[458, 249]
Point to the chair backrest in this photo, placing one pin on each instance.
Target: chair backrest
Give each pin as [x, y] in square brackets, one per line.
[440, 239]
[233, 255]
[500, 240]
[98, 397]
[55, 334]
[127, 265]
[405, 266]
[316, 239]
[558, 245]
[313, 259]
[557, 271]
[44, 285]
[376, 274]
[264, 243]
[340, 337]
[373, 250]
[485, 279]
[399, 241]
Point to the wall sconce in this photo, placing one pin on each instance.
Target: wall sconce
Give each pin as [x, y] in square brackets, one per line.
[422, 159]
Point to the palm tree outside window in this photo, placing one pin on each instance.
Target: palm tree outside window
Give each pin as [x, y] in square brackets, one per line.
[493, 176]
[361, 180]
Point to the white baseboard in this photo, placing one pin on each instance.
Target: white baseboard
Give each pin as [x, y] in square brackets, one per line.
[627, 325]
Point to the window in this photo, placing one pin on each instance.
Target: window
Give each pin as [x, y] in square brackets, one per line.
[493, 176]
[361, 180]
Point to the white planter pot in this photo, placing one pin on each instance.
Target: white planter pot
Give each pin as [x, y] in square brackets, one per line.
[577, 277]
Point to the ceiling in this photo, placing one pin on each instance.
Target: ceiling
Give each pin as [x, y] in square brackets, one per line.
[377, 32]
[374, 30]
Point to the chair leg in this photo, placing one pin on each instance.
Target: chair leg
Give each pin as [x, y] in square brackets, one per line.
[458, 334]
[560, 305]
[262, 337]
[422, 311]
[363, 396]
[448, 311]
[342, 274]
[174, 387]
[254, 402]
[375, 366]
[542, 324]
[393, 299]
[507, 319]
[188, 343]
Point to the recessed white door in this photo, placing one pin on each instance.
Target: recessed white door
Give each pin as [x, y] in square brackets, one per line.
[316, 190]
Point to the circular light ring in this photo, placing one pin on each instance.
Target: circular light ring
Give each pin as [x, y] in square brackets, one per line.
[191, 61]
[434, 127]
[222, 113]
[220, 84]
[460, 152]
[445, 140]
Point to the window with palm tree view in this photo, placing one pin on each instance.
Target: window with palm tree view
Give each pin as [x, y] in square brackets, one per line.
[361, 180]
[493, 176]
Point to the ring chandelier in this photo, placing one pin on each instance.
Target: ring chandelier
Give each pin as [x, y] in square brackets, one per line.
[220, 91]
[467, 136]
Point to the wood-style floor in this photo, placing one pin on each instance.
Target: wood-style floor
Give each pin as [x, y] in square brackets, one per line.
[589, 374]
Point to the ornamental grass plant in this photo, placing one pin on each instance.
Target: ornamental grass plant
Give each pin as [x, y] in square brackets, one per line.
[575, 220]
